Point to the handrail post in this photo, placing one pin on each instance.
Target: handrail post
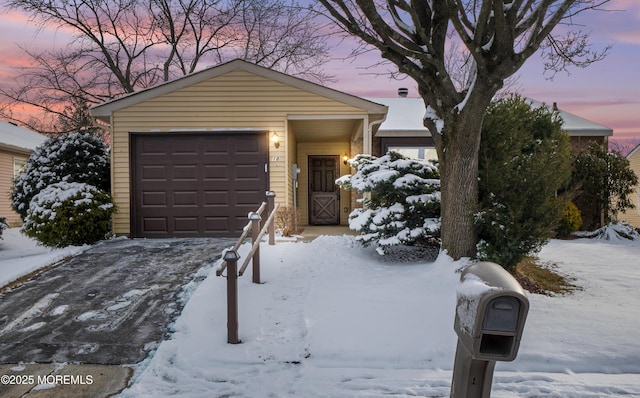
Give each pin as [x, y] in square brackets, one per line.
[231, 258]
[255, 231]
[271, 203]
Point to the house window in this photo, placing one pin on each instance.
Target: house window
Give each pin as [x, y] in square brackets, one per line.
[416, 152]
[413, 147]
[18, 167]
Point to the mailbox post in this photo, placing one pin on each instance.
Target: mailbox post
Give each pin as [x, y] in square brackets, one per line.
[490, 315]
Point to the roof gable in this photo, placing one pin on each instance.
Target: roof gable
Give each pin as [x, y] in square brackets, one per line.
[18, 138]
[633, 152]
[104, 110]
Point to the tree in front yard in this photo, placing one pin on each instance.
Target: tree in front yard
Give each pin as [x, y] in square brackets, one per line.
[605, 181]
[403, 204]
[78, 157]
[493, 39]
[525, 158]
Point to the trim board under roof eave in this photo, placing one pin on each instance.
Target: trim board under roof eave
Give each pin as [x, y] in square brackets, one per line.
[589, 133]
[101, 111]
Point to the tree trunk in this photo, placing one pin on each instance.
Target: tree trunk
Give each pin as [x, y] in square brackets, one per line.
[458, 153]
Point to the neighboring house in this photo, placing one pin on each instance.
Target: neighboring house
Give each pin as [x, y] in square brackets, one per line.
[16, 144]
[632, 216]
[193, 156]
[403, 130]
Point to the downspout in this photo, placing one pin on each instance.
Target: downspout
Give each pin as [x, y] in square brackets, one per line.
[368, 137]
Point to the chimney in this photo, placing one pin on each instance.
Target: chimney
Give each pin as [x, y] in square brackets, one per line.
[403, 92]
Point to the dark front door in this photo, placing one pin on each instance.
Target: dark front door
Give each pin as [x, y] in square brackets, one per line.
[324, 196]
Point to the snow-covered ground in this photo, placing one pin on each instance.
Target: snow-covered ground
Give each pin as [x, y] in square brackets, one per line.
[20, 256]
[332, 320]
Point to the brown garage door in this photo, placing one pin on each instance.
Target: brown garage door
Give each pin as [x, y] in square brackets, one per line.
[196, 184]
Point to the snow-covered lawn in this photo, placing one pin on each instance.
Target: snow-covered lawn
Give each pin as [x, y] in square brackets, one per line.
[20, 255]
[332, 320]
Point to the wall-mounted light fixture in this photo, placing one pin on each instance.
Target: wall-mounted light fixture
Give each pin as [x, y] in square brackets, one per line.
[276, 139]
[345, 158]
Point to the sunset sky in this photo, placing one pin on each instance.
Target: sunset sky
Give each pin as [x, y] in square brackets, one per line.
[607, 92]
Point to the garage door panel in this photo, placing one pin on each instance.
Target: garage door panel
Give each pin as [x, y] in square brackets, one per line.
[154, 173]
[154, 199]
[248, 197]
[185, 172]
[155, 224]
[153, 146]
[248, 171]
[183, 147]
[185, 198]
[246, 146]
[216, 172]
[185, 224]
[217, 225]
[216, 198]
[216, 145]
[196, 184]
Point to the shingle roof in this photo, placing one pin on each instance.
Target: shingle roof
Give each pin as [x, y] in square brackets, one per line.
[18, 138]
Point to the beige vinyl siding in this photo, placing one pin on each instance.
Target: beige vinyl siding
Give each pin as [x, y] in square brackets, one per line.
[235, 100]
[308, 149]
[291, 160]
[7, 159]
[633, 215]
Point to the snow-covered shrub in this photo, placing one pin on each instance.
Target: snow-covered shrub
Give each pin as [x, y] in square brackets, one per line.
[620, 231]
[69, 213]
[525, 159]
[78, 157]
[3, 225]
[403, 206]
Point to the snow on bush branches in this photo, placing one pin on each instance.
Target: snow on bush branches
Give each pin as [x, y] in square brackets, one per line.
[62, 194]
[403, 207]
[68, 213]
[76, 157]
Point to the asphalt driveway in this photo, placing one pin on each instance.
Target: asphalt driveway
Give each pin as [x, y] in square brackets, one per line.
[111, 304]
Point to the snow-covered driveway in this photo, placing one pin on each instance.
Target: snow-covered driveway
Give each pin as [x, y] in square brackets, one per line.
[111, 304]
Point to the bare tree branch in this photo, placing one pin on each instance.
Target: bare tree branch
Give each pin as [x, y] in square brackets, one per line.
[121, 46]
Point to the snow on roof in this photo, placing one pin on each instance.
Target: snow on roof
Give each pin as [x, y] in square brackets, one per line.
[575, 125]
[19, 138]
[405, 116]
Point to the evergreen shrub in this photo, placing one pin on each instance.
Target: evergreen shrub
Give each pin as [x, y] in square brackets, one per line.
[571, 220]
[69, 213]
[403, 206]
[525, 159]
[78, 157]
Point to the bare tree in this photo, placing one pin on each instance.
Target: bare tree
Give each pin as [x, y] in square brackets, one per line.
[496, 37]
[121, 46]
